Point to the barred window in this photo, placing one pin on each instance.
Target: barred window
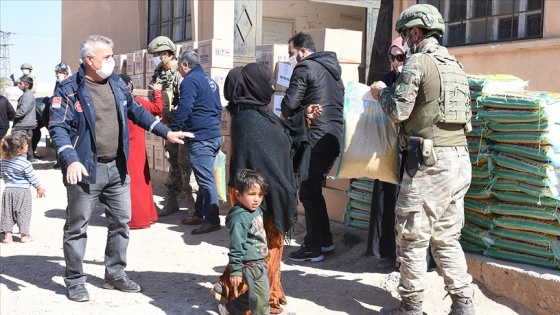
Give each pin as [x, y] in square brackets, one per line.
[171, 18]
[470, 22]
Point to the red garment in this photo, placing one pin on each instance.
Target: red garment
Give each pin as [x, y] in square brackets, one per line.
[141, 194]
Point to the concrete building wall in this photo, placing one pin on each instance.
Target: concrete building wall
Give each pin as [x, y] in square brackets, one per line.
[527, 59]
[308, 15]
[125, 22]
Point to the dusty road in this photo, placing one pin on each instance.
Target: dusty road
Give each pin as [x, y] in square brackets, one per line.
[177, 270]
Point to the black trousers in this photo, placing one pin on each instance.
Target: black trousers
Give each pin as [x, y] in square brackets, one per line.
[311, 195]
[36, 135]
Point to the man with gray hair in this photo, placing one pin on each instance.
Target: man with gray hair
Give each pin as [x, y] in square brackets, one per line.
[199, 111]
[88, 123]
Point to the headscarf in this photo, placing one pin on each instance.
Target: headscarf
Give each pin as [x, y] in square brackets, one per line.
[232, 83]
[257, 81]
[397, 42]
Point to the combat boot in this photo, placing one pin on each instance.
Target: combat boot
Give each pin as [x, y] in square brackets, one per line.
[407, 307]
[461, 306]
[171, 205]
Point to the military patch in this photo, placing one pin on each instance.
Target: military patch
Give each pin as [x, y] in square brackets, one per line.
[56, 101]
[78, 107]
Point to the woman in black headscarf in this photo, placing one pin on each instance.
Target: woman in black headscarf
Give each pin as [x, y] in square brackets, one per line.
[263, 142]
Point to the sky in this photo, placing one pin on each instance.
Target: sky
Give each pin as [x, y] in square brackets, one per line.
[37, 35]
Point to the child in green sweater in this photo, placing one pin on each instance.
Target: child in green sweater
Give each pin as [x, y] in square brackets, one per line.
[248, 249]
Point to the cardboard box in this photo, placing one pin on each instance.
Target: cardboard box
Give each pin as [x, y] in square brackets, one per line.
[120, 64]
[216, 53]
[140, 61]
[225, 123]
[282, 74]
[347, 44]
[150, 155]
[219, 75]
[350, 73]
[276, 102]
[150, 65]
[190, 45]
[157, 141]
[149, 138]
[143, 93]
[336, 201]
[130, 64]
[138, 81]
[159, 158]
[269, 55]
[340, 183]
[147, 80]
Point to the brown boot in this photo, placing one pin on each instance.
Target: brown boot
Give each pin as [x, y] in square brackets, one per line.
[461, 305]
[407, 307]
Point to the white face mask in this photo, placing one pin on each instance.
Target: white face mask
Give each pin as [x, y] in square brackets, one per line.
[25, 71]
[60, 78]
[156, 60]
[107, 67]
[407, 49]
[399, 68]
[293, 61]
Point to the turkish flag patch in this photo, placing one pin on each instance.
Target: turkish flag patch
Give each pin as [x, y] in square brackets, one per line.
[56, 102]
[78, 107]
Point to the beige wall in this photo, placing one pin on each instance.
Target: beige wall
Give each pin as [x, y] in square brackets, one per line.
[124, 21]
[308, 15]
[531, 60]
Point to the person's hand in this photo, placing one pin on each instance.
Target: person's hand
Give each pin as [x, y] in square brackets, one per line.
[176, 136]
[235, 280]
[155, 86]
[74, 173]
[41, 192]
[375, 88]
[313, 111]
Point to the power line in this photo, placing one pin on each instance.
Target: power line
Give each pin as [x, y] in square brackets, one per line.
[5, 53]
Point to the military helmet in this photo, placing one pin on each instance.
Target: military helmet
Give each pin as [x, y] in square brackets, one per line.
[161, 43]
[424, 16]
[62, 67]
[26, 65]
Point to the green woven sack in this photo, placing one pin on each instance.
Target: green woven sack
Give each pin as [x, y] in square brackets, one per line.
[502, 172]
[515, 116]
[362, 185]
[523, 210]
[520, 197]
[523, 248]
[525, 224]
[521, 258]
[549, 241]
[511, 100]
[542, 153]
[485, 221]
[359, 195]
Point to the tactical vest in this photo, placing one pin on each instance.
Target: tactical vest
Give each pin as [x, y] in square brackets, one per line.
[453, 104]
[170, 81]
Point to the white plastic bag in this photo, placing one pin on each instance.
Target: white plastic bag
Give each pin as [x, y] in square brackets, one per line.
[220, 175]
[370, 142]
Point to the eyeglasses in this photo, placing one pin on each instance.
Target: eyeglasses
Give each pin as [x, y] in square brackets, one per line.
[399, 58]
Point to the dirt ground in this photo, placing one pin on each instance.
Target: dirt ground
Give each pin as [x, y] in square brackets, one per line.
[177, 270]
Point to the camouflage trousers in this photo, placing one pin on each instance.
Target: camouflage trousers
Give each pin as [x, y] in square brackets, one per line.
[180, 169]
[430, 212]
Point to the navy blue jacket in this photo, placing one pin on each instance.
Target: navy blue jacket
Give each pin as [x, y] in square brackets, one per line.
[72, 122]
[199, 110]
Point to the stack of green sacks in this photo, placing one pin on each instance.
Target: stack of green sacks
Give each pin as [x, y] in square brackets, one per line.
[511, 207]
[358, 209]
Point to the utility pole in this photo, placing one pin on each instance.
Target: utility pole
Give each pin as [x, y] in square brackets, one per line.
[5, 54]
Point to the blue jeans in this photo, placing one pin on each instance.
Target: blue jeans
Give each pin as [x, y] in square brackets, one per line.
[203, 153]
[113, 191]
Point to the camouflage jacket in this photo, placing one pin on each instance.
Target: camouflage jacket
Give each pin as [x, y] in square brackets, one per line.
[170, 81]
[398, 103]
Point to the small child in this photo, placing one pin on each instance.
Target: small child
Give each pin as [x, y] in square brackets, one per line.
[248, 248]
[18, 175]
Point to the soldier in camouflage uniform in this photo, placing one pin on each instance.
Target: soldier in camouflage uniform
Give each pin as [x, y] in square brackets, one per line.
[26, 69]
[180, 169]
[431, 103]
